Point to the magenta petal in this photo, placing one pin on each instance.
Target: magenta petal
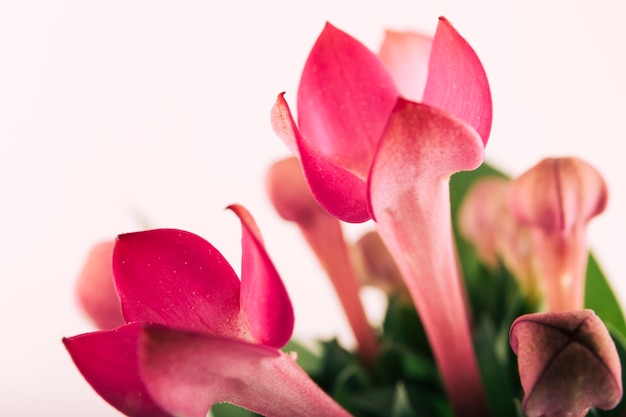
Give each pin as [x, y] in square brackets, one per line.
[176, 278]
[336, 189]
[344, 99]
[406, 56]
[108, 361]
[189, 372]
[95, 291]
[457, 82]
[264, 299]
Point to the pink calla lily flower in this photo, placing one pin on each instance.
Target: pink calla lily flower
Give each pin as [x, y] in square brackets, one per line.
[95, 291]
[556, 199]
[175, 283]
[498, 237]
[567, 363]
[368, 153]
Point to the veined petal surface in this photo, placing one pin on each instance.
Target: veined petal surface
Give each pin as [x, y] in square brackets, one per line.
[457, 82]
[344, 99]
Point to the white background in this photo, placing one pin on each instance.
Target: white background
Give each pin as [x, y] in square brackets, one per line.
[118, 114]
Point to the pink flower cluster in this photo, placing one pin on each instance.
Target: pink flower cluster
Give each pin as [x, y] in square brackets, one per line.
[377, 137]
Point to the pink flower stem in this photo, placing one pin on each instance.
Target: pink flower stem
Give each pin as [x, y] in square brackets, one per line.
[418, 232]
[562, 266]
[328, 243]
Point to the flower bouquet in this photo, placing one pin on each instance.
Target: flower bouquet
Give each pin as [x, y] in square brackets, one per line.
[494, 305]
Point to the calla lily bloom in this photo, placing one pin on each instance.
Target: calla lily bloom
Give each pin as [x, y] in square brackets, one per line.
[497, 235]
[557, 198]
[366, 152]
[174, 283]
[293, 201]
[567, 363]
[95, 291]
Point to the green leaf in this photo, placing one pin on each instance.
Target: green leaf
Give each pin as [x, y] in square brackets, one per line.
[600, 297]
[229, 410]
[494, 368]
[306, 358]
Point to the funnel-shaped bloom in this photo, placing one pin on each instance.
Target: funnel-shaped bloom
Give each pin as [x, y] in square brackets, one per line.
[293, 201]
[499, 237]
[557, 198]
[368, 153]
[567, 363]
[180, 283]
[95, 291]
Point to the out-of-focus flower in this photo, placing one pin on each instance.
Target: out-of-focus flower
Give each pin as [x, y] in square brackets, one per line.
[183, 304]
[95, 291]
[368, 153]
[498, 237]
[557, 198]
[406, 56]
[375, 265]
[567, 363]
[293, 201]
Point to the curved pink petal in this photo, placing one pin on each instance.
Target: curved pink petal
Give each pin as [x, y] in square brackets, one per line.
[108, 361]
[409, 193]
[264, 299]
[406, 56]
[95, 291]
[337, 190]
[421, 145]
[176, 278]
[189, 372]
[344, 99]
[457, 82]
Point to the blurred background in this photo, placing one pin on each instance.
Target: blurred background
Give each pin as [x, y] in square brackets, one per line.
[120, 115]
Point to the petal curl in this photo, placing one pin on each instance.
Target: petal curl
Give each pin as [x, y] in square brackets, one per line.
[344, 99]
[177, 278]
[336, 189]
[420, 145]
[457, 82]
[108, 361]
[264, 299]
[406, 56]
[189, 372]
[95, 290]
